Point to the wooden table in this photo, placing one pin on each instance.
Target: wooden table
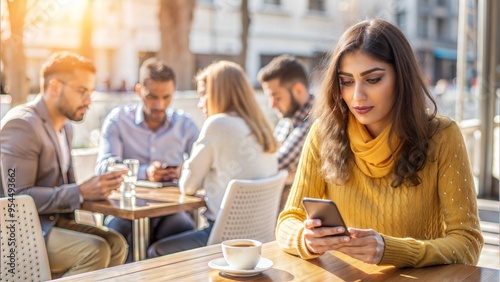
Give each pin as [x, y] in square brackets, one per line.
[149, 202]
[333, 266]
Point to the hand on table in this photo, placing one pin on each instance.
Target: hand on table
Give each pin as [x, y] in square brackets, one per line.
[156, 172]
[99, 187]
[364, 244]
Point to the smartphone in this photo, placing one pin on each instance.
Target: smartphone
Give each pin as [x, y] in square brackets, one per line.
[165, 166]
[153, 184]
[326, 211]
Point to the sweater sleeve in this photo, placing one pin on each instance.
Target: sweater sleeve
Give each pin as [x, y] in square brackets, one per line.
[307, 183]
[463, 241]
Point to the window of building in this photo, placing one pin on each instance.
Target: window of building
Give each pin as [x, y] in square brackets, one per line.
[423, 29]
[317, 5]
[441, 28]
[203, 60]
[401, 19]
[273, 2]
[441, 3]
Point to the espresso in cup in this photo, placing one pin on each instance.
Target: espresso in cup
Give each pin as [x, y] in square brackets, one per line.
[243, 245]
[242, 253]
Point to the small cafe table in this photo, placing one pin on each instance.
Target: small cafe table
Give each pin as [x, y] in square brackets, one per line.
[192, 265]
[148, 203]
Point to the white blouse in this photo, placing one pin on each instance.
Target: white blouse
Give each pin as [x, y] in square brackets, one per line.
[226, 149]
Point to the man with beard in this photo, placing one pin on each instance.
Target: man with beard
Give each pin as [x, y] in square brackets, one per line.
[158, 137]
[285, 82]
[35, 141]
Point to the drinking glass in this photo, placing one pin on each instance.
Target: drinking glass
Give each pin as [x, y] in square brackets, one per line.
[129, 181]
[115, 165]
[128, 203]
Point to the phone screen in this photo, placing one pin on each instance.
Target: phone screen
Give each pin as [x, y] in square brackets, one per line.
[326, 211]
[165, 166]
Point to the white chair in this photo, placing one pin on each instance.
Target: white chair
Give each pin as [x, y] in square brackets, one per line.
[24, 255]
[249, 209]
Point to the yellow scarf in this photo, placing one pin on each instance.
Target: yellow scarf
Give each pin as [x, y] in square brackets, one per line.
[374, 157]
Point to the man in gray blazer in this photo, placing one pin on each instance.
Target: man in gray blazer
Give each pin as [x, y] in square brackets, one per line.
[35, 141]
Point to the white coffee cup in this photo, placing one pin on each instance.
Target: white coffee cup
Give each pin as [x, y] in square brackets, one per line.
[242, 253]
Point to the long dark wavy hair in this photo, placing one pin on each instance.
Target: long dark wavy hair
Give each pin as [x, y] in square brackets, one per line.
[412, 121]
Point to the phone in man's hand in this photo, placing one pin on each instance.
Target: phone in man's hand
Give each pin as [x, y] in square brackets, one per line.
[326, 211]
[165, 166]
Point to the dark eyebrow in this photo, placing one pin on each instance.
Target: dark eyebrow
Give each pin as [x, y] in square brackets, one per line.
[154, 96]
[371, 70]
[344, 73]
[363, 73]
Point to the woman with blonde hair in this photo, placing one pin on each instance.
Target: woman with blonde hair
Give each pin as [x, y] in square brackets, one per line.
[235, 142]
[399, 173]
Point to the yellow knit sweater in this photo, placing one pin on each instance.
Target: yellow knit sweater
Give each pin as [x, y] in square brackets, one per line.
[433, 223]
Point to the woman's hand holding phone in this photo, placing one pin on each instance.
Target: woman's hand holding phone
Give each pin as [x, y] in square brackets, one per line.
[324, 226]
[363, 244]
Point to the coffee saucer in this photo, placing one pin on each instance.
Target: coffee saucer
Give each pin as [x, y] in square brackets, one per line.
[221, 265]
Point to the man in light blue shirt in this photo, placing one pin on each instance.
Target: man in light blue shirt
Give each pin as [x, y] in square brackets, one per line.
[126, 135]
[154, 135]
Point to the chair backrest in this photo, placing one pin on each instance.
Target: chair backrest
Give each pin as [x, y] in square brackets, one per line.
[249, 209]
[24, 255]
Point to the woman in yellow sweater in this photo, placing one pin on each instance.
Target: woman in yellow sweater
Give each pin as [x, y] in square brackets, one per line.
[399, 174]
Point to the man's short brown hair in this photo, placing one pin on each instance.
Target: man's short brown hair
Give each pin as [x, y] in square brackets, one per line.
[64, 63]
[286, 68]
[156, 70]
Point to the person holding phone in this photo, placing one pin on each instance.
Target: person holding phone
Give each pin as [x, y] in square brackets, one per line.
[159, 137]
[162, 172]
[155, 135]
[398, 172]
[35, 146]
[235, 142]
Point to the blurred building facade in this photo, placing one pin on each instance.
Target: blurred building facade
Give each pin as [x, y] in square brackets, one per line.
[124, 33]
[432, 28]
